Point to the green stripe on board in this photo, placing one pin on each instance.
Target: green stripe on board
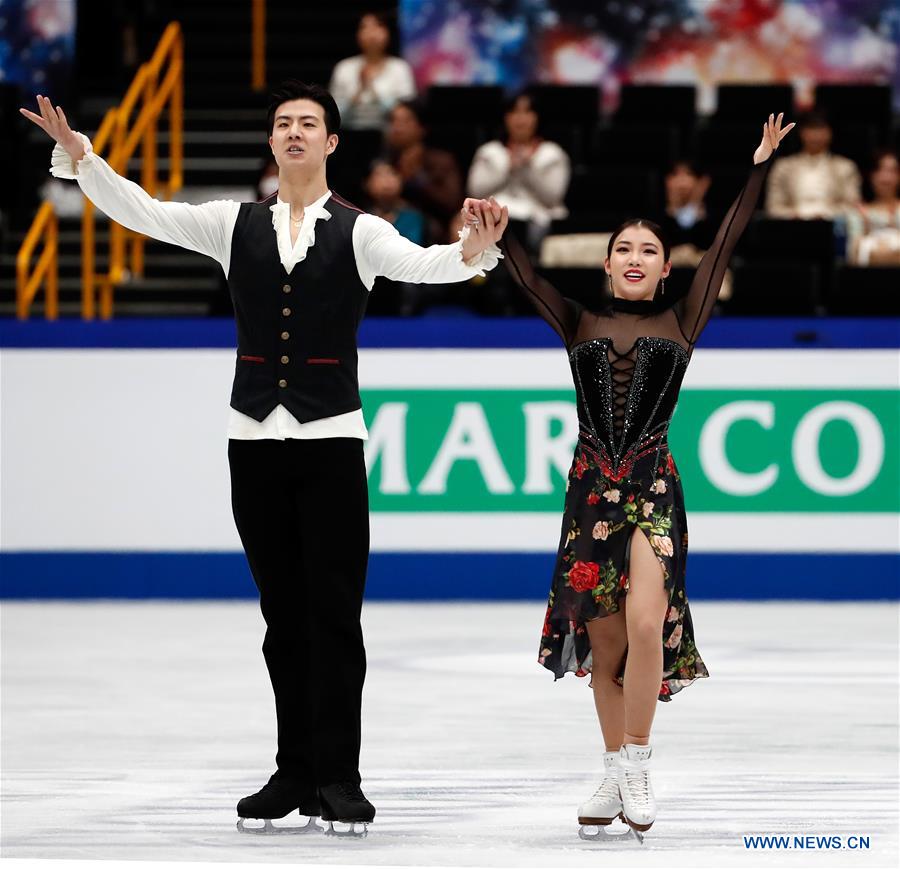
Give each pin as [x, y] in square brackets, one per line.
[738, 450]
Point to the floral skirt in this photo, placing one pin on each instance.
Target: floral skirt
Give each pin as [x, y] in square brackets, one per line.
[590, 579]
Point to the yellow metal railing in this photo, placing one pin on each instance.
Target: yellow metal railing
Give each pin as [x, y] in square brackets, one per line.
[122, 139]
[45, 226]
[258, 46]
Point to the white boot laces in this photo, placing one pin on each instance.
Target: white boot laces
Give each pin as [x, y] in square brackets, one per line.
[638, 783]
[609, 789]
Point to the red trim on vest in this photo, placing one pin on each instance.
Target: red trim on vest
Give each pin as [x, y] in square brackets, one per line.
[341, 201]
[253, 358]
[315, 361]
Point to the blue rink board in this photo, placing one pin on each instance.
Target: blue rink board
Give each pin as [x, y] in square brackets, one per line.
[446, 331]
[440, 576]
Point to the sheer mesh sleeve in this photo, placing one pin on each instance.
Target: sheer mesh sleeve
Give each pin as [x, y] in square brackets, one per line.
[561, 313]
[694, 309]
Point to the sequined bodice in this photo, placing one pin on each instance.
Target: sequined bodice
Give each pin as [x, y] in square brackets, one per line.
[626, 398]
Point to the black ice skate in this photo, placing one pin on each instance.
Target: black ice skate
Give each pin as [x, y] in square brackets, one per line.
[345, 802]
[278, 798]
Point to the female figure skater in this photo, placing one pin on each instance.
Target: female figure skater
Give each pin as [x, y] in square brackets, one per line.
[618, 607]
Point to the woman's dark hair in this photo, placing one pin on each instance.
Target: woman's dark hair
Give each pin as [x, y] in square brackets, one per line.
[878, 155]
[416, 106]
[291, 89]
[388, 21]
[534, 103]
[655, 228]
[381, 17]
[813, 118]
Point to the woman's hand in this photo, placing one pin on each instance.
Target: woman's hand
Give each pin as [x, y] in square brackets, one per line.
[53, 122]
[771, 139]
[486, 221]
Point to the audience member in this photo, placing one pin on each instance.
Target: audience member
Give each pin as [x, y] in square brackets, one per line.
[685, 220]
[873, 228]
[367, 86]
[528, 174]
[814, 184]
[431, 176]
[383, 187]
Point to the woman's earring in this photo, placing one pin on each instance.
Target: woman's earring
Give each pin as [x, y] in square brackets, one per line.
[663, 291]
[609, 278]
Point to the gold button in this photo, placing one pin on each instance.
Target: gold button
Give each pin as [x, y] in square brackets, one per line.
[282, 383]
[285, 360]
[286, 288]
[285, 336]
[286, 312]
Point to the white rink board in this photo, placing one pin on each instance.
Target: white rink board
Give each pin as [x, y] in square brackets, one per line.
[148, 428]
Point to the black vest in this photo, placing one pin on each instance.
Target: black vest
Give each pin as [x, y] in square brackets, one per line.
[296, 332]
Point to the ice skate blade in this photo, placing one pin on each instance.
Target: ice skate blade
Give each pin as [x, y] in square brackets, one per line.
[352, 833]
[620, 834]
[269, 829]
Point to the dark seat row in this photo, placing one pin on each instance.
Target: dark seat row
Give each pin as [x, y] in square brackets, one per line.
[483, 104]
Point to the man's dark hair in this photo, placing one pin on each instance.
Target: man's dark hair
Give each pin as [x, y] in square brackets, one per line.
[655, 228]
[291, 89]
[684, 162]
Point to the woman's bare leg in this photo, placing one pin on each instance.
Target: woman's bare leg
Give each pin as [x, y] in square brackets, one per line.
[647, 603]
[608, 645]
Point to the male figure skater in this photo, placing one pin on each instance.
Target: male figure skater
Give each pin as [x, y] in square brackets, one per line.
[299, 265]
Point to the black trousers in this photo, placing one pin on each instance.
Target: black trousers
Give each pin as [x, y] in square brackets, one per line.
[302, 512]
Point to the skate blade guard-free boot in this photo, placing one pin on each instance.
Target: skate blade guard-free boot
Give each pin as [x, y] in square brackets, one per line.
[604, 807]
[638, 801]
[277, 799]
[345, 803]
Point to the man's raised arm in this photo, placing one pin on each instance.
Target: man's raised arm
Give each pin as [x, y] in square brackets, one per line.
[205, 228]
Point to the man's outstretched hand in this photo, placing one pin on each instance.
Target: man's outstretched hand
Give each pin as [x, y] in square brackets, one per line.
[53, 122]
[486, 221]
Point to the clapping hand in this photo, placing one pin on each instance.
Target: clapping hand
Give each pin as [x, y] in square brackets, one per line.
[53, 122]
[772, 136]
[486, 222]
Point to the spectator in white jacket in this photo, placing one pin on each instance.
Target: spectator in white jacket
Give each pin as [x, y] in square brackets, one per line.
[526, 173]
[367, 86]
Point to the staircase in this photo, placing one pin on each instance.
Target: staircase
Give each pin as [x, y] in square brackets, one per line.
[225, 147]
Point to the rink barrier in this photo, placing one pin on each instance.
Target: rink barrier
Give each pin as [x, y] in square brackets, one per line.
[462, 331]
[435, 576]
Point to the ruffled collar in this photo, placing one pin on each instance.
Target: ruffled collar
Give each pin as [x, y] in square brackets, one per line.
[281, 210]
[291, 254]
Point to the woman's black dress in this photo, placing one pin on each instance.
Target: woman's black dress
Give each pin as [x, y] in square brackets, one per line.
[628, 361]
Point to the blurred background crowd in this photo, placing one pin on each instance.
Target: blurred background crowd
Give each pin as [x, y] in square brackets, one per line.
[422, 128]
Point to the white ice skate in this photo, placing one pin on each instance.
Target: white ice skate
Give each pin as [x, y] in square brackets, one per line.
[604, 806]
[638, 802]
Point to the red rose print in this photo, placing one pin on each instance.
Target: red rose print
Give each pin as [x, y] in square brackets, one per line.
[593, 498]
[622, 581]
[546, 631]
[664, 689]
[584, 575]
[580, 467]
[670, 464]
[630, 498]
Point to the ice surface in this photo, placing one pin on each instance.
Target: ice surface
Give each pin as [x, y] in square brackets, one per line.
[130, 730]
